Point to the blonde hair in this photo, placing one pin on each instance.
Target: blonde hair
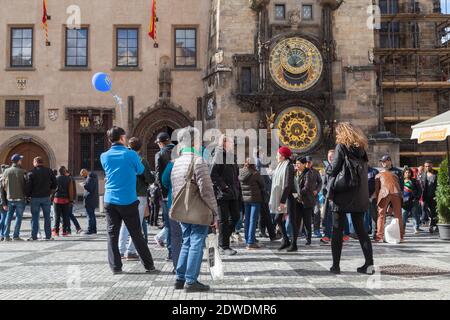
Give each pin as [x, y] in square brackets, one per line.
[351, 136]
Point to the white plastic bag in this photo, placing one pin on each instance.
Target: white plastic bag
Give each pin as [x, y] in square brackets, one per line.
[392, 232]
[215, 264]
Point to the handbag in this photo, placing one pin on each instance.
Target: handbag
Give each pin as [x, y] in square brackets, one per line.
[349, 177]
[188, 206]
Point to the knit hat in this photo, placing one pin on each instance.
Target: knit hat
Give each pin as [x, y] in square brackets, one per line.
[285, 152]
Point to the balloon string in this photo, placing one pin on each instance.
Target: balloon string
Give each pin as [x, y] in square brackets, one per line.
[120, 105]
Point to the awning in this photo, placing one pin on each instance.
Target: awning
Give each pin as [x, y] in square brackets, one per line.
[434, 129]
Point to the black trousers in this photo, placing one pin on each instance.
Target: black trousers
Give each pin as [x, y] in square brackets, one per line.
[429, 211]
[299, 215]
[265, 221]
[154, 213]
[229, 214]
[339, 219]
[62, 212]
[129, 214]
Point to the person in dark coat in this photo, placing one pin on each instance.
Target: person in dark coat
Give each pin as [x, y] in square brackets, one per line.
[304, 183]
[225, 178]
[62, 202]
[90, 197]
[350, 141]
[252, 185]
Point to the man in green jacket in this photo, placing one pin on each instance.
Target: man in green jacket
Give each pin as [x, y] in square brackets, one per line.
[14, 185]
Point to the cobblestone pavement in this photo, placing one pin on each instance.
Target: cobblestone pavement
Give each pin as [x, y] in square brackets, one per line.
[76, 268]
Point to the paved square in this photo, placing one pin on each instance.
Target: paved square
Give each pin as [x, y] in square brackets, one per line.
[76, 268]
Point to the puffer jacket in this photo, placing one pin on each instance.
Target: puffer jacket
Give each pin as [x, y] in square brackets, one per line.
[305, 186]
[201, 178]
[351, 200]
[225, 176]
[252, 185]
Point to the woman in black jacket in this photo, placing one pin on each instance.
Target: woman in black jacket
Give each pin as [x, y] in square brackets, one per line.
[252, 185]
[304, 204]
[351, 142]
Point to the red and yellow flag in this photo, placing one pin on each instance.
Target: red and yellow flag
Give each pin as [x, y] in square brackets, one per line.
[44, 20]
[152, 28]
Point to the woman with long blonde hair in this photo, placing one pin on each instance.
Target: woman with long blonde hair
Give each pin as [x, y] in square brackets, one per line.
[352, 196]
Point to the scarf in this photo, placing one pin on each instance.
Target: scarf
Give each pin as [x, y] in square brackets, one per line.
[278, 180]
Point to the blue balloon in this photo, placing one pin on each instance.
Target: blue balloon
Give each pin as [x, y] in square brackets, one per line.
[101, 82]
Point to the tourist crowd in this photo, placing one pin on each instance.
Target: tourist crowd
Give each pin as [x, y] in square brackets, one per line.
[199, 193]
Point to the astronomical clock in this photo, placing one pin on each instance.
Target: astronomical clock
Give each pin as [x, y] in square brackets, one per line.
[296, 65]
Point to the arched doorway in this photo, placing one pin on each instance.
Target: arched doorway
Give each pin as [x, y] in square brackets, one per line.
[156, 120]
[29, 151]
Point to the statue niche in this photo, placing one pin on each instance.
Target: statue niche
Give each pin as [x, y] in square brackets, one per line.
[165, 79]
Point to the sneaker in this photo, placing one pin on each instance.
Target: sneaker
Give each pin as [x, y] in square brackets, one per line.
[79, 231]
[18, 239]
[252, 246]
[325, 240]
[346, 238]
[116, 272]
[32, 239]
[7, 239]
[159, 242]
[196, 287]
[132, 257]
[227, 252]
[151, 270]
[179, 284]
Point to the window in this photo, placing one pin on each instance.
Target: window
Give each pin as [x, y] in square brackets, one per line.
[246, 84]
[307, 12]
[77, 47]
[280, 12]
[388, 6]
[92, 145]
[21, 47]
[12, 113]
[31, 113]
[186, 48]
[127, 47]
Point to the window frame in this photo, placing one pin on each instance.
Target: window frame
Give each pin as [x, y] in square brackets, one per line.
[5, 117]
[25, 113]
[185, 28]
[116, 37]
[11, 39]
[66, 47]
[22, 112]
[275, 11]
[312, 11]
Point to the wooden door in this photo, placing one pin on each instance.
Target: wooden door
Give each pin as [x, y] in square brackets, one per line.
[29, 151]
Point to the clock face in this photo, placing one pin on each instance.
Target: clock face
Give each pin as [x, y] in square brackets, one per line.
[295, 64]
[299, 129]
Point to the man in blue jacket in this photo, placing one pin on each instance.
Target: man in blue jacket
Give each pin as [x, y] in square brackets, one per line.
[121, 166]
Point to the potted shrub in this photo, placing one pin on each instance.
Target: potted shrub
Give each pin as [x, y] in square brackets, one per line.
[443, 201]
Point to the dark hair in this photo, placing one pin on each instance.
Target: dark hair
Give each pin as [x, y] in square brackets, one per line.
[411, 172]
[115, 133]
[62, 170]
[135, 144]
[39, 160]
[301, 159]
[429, 162]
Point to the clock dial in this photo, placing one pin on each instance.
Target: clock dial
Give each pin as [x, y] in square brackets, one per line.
[210, 107]
[295, 64]
[299, 129]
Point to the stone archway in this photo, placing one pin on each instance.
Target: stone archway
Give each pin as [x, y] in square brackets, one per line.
[30, 146]
[157, 119]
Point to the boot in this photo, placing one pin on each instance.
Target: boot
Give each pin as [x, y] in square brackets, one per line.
[367, 268]
[293, 247]
[284, 244]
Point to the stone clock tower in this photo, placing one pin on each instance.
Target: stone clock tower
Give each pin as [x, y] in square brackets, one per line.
[298, 66]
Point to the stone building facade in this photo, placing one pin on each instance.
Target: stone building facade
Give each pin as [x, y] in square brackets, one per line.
[299, 66]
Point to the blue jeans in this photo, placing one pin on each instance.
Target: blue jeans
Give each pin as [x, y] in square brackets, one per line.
[165, 232]
[348, 229]
[36, 205]
[176, 241]
[92, 220]
[238, 226]
[415, 213]
[73, 219]
[191, 254]
[17, 207]
[3, 215]
[252, 211]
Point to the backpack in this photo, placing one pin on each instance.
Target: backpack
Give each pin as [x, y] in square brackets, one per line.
[350, 175]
